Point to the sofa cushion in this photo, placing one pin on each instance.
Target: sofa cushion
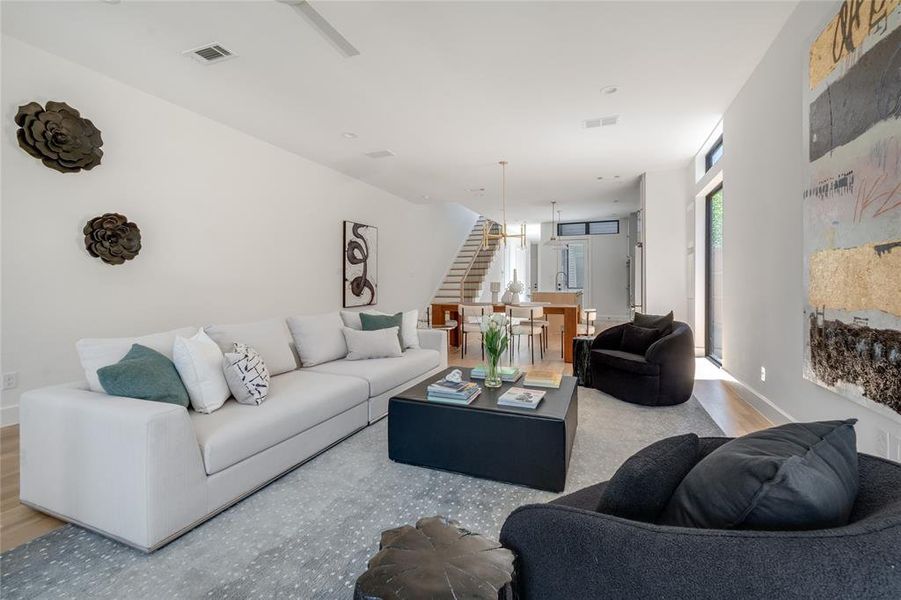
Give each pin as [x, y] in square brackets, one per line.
[625, 361]
[297, 401]
[270, 338]
[383, 374]
[100, 352]
[318, 338]
[641, 488]
[795, 476]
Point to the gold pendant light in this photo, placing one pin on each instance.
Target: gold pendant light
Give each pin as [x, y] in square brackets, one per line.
[503, 234]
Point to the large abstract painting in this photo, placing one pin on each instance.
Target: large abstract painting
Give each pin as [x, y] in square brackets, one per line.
[361, 244]
[852, 205]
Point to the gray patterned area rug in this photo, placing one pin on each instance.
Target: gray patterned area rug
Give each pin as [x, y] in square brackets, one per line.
[309, 534]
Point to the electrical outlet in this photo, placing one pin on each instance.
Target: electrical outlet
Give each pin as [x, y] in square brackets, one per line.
[10, 380]
[762, 373]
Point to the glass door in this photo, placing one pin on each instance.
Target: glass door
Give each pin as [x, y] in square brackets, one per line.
[714, 305]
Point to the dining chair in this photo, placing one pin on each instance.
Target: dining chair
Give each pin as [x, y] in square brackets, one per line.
[471, 322]
[448, 325]
[526, 320]
[585, 326]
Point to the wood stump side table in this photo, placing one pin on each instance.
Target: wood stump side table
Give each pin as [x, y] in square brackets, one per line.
[437, 559]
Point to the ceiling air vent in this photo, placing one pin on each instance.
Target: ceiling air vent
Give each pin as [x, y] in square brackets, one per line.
[380, 154]
[600, 122]
[211, 53]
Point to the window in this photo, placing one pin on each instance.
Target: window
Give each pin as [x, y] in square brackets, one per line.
[714, 284]
[713, 155]
[574, 265]
[610, 227]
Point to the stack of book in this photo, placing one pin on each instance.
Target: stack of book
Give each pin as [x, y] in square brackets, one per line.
[545, 379]
[453, 392]
[520, 398]
[509, 374]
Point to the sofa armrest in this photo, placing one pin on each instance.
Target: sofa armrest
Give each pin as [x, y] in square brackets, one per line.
[434, 339]
[609, 339]
[129, 468]
[565, 552]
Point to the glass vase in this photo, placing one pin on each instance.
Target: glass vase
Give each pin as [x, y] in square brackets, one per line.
[492, 374]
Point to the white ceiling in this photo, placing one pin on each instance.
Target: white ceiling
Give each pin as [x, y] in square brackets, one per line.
[450, 87]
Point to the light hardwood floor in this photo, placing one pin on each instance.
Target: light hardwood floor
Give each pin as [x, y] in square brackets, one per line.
[714, 389]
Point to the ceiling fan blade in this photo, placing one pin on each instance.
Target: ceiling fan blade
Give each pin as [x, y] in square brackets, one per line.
[323, 27]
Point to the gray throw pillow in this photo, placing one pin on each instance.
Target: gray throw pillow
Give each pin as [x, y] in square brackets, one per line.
[371, 322]
[792, 477]
[145, 374]
[642, 486]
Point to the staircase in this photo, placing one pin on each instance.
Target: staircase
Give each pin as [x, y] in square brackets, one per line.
[466, 277]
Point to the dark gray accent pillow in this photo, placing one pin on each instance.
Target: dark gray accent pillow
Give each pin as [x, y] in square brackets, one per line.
[792, 477]
[642, 486]
[637, 340]
[374, 322]
[145, 374]
[662, 322]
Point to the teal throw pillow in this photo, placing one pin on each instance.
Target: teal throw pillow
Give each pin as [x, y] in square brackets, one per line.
[372, 322]
[145, 374]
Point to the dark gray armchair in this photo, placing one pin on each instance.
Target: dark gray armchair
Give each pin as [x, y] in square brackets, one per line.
[663, 376]
[567, 550]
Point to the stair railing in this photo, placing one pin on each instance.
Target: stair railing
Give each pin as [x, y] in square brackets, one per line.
[492, 227]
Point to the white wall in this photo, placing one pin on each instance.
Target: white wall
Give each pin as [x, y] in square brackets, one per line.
[606, 262]
[233, 228]
[663, 196]
[763, 181]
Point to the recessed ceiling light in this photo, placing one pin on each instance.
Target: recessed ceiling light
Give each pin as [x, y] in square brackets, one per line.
[426, 197]
[610, 89]
[350, 135]
[600, 178]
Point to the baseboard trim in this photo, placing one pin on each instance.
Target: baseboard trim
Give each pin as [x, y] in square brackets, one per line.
[761, 403]
[9, 415]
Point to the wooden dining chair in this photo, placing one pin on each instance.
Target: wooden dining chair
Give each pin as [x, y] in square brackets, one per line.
[448, 325]
[471, 322]
[526, 321]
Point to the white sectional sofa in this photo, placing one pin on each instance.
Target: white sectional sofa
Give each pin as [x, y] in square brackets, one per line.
[145, 472]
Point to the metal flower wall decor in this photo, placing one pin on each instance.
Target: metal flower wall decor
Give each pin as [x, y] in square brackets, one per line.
[59, 136]
[112, 239]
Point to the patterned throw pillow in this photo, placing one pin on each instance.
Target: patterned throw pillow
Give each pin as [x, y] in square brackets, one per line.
[246, 375]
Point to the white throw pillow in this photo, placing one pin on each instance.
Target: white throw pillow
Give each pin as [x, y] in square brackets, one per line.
[199, 363]
[246, 374]
[318, 338]
[381, 343]
[95, 353]
[409, 328]
[270, 338]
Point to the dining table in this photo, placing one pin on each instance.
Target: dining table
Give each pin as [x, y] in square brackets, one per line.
[442, 311]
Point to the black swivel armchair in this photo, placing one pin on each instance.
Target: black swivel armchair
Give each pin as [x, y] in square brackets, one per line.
[663, 376]
[566, 549]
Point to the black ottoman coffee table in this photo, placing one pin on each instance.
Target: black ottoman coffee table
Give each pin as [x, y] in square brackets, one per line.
[524, 446]
[437, 560]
